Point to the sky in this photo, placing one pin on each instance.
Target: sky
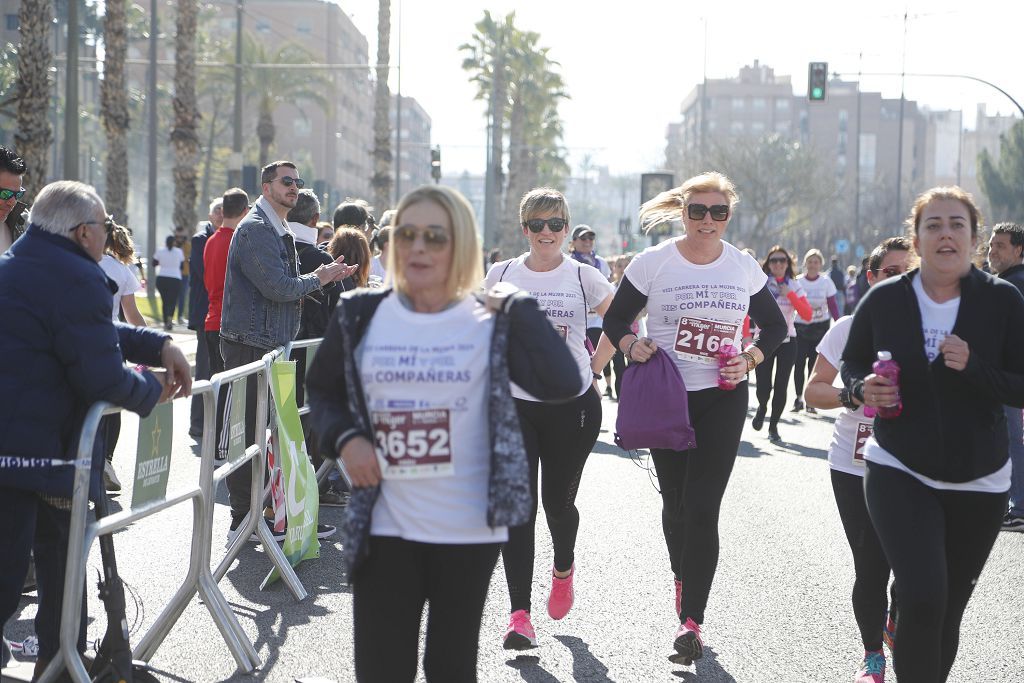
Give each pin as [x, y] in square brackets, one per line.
[628, 66]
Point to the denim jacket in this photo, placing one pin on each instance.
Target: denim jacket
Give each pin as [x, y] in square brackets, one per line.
[262, 288]
[524, 348]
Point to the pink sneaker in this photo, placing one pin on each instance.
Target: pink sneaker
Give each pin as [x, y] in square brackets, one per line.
[873, 668]
[679, 596]
[561, 597]
[520, 634]
[688, 645]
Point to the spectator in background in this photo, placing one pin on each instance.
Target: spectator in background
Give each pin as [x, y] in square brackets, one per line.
[582, 250]
[835, 274]
[234, 205]
[324, 233]
[263, 292]
[199, 305]
[184, 243]
[350, 245]
[12, 170]
[170, 263]
[379, 266]
[353, 212]
[850, 290]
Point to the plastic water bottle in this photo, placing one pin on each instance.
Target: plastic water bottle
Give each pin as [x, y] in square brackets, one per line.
[886, 367]
[726, 352]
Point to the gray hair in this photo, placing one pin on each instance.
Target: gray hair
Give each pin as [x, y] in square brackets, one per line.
[62, 206]
[217, 203]
[306, 207]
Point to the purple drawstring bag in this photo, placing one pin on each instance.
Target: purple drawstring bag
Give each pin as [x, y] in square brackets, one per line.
[653, 407]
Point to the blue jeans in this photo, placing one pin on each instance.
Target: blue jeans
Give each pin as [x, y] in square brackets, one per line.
[1015, 425]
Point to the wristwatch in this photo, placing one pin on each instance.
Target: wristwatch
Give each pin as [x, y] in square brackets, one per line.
[597, 375]
[846, 398]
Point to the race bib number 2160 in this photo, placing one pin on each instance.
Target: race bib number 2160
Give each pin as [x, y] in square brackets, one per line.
[413, 444]
[699, 340]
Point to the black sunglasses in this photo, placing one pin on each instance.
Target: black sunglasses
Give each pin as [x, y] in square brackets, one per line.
[287, 181]
[889, 271]
[554, 224]
[434, 238]
[6, 194]
[778, 259]
[696, 212]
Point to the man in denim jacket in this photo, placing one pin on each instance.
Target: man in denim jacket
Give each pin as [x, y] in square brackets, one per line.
[263, 294]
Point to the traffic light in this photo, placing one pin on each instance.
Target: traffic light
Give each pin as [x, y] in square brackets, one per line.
[817, 81]
[435, 164]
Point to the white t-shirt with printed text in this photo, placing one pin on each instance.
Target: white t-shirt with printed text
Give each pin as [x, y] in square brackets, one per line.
[691, 307]
[124, 276]
[937, 320]
[425, 377]
[560, 293]
[852, 429]
[785, 305]
[817, 292]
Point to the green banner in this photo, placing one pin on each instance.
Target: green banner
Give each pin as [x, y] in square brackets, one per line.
[236, 419]
[153, 457]
[302, 496]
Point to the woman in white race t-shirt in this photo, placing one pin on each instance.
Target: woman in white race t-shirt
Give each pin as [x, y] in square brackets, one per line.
[697, 290]
[169, 262]
[821, 295]
[891, 258]
[937, 476]
[423, 372]
[558, 437]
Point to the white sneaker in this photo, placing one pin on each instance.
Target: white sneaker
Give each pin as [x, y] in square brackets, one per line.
[110, 481]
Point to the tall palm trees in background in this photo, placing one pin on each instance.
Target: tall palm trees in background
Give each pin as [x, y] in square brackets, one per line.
[34, 135]
[114, 107]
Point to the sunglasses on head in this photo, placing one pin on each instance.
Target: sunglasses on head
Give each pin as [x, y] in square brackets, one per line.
[696, 212]
[889, 271]
[778, 259]
[288, 181]
[554, 224]
[434, 238]
[6, 194]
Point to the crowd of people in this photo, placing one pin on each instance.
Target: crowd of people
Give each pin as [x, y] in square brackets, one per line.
[458, 401]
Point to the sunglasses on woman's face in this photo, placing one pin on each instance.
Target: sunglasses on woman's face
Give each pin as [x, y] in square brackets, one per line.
[434, 238]
[554, 224]
[778, 259]
[696, 212]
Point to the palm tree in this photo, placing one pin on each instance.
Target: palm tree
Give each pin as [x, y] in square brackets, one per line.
[381, 110]
[114, 107]
[184, 136]
[34, 135]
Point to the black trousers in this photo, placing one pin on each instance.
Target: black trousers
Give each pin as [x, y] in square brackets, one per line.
[389, 591]
[937, 543]
[28, 525]
[202, 372]
[782, 363]
[871, 568]
[559, 436]
[692, 486]
[216, 360]
[169, 288]
[239, 482]
[807, 339]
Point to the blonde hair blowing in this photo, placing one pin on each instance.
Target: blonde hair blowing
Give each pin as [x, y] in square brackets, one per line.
[668, 206]
[467, 270]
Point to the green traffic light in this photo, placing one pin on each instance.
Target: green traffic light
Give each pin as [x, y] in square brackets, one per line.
[817, 94]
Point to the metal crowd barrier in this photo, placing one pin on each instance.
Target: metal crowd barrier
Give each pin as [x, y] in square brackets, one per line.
[329, 463]
[83, 532]
[199, 578]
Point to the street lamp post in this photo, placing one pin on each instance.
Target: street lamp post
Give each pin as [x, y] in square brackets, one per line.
[71, 95]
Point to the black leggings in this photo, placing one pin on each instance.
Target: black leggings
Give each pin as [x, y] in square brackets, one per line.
[388, 593]
[692, 486]
[169, 287]
[782, 361]
[807, 339]
[871, 569]
[560, 436]
[937, 543]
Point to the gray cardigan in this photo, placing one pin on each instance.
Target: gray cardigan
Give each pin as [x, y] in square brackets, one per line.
[525, 348]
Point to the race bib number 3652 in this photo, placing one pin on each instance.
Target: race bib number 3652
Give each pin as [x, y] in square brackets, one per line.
[699, 340]
[413, 444]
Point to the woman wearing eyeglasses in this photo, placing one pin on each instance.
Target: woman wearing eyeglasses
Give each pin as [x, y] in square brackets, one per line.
[789, 295]
[938, 474]
[410, 388]
[852, 429]
[697, 289]
[558, 437]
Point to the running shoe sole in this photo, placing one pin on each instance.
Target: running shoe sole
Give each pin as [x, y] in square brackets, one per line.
[688, 649]
[517, 641]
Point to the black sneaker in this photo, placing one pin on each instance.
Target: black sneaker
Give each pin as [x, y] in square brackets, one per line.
[235, 524]
[773, 435]
[798, 405]
[1012, 522]
[333, 498]
[758, 420]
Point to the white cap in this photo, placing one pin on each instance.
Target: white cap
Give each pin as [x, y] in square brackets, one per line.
[884, 355]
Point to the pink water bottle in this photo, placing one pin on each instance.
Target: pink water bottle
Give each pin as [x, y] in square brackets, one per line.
[886, 367]
[726, 352]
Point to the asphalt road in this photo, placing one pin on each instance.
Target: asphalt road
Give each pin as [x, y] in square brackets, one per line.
[779, 608]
